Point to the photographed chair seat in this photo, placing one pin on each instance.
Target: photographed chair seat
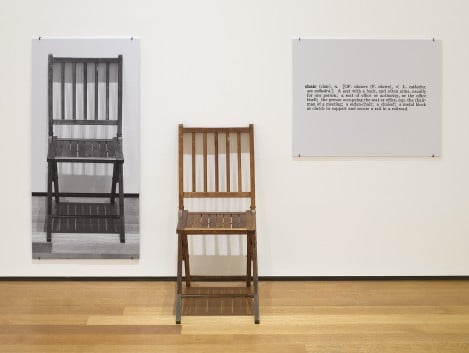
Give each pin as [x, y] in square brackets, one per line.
[215, 160]
[85, 151]
[95, 105]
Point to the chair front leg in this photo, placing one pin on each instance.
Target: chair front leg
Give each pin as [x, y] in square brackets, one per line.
[49, 201]
[255, 278]
[121, 203]
[179, 281]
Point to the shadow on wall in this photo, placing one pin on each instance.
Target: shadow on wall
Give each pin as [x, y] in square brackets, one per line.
[224, 265]
[85, 183]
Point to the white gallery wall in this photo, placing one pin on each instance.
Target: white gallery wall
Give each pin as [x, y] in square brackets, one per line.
[230, 63]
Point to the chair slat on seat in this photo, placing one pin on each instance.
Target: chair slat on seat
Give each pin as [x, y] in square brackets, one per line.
[95, 151]
[118, 149]
[236, 221]
[103, 149]
[242, 221]
[82, 149]
[192, 222]
[111, 150]
[65, 148]
[220, 223]
[227, 221]
[57, 149]
[212, 220]
[204, 221]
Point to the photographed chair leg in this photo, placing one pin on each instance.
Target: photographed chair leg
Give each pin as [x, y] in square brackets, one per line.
[185, 257]
[121, 203]
[56, 182]
[49, 202]
[114, 181]
[255, 279]
[179, 281]
[248, 259]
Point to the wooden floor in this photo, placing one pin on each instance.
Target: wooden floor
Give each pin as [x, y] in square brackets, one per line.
[318, 316]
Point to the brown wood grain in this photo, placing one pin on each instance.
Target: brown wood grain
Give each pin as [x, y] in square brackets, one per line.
[300, 316]
[241, 222]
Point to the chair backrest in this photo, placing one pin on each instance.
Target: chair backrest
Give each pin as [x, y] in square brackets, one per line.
[87, 71]
[222, 175]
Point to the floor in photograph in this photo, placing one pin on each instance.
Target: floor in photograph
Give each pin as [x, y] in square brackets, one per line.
[85, 245]
[306, 317]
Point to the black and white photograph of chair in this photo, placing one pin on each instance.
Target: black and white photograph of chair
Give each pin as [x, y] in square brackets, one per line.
[85, 210]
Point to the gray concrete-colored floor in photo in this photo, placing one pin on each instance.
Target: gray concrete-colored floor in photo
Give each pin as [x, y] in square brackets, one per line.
[83, 245]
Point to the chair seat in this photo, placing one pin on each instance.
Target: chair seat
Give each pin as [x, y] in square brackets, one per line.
[216, 222]
[85, 217]
[85, 150]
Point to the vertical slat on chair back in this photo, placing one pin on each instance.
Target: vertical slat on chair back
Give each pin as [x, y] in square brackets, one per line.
[195, 142]
[83, 65]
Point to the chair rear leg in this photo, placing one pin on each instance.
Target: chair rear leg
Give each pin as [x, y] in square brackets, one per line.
[49, 201]
[121, 203]
[255, 279]
[179, 281]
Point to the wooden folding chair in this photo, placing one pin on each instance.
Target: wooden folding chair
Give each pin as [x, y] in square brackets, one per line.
[192, 222]
[80, 217]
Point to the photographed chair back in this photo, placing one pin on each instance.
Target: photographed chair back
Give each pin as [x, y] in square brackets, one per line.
[68, 106]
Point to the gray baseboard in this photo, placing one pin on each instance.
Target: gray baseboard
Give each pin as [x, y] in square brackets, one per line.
[261, 278]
